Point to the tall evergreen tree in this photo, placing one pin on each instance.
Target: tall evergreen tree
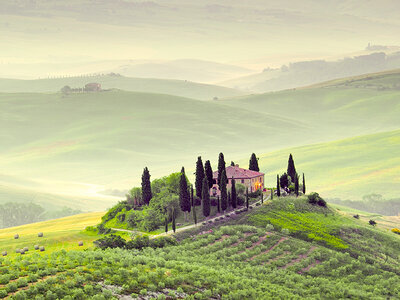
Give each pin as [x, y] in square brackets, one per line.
[296, 185]
[218, 204]
[191, 196]
[146, 186]
[194, 215]
[184, 196]
[221, 167]
[272, 194]
[278, 188]
[284, 180]
[262, 198]
[291, 169]
[247, 198]
[224, 195]
[206, 198]
[209, 173]
[199, 176]
[173, 219]
[166, 224]
[253, 163]
[232, 163]
[229, 200]
[234, 195]
[304, 185]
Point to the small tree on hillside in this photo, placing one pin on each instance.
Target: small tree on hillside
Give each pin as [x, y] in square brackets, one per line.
[304, 185]
[146, 186]
[296, 185]
[206, 198]
[173, 219]
[199, 176]
[184, 196]
[247, 198]
[221, 167]
[253, 163]
[208, 173]
[291, 170]
[224, 195]
[234, 195]
[284, 181]
[278, 188]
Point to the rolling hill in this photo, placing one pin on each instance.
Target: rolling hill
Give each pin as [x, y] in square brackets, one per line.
[163, 86]
[346, 169]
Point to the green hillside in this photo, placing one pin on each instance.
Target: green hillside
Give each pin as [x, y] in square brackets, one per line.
[163, 86]
[346, 169]
[244, 257]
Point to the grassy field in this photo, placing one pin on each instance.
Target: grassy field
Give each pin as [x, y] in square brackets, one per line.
[79, 146]
[64, 233]
[346, 169]
[180, 88]
[240, 258]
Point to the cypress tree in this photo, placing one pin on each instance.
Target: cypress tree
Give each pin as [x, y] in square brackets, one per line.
[224, 196]
[253, 163]
[262, 198]
[184, 196]
[296, 185]
[194, 215]
[234, 195]
[209, 173]
[291, 170]
[218, 204]
[229, 200]
[278, 188]
[304, 185]
[206, 198]
[191, 196]
[146, 186]
[173, 219]
[199, 176]
[221, 167]
[166, 224]
[247, 198]
[272, 193]
[232, 163]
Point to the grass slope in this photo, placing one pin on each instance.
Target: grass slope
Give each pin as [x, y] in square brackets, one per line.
[181, 88]
[64, 233]
[346, 169]
[247, 259]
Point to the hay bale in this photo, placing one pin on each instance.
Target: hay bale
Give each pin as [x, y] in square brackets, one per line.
[26, 249]
[40, 234]
[36, 247]
[80, 243]
[22, 252]
[16, 236]
[4, 253]
[41, 248]
[17, 250]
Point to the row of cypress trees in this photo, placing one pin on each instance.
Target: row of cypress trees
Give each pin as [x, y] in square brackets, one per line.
[292, 173]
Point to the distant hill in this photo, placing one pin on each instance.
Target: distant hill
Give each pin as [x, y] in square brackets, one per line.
[163, 86]
[304, 73]
[345, 169]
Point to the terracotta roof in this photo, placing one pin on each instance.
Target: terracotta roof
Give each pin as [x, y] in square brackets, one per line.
[238, 173]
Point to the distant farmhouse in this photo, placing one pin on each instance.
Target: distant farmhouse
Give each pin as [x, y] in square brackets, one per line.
[253, 180]
[93, 87]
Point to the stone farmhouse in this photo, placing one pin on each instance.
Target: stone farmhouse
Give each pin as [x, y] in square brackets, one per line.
[253, 180]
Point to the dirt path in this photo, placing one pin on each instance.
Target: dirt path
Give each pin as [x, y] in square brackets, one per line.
[231, 213]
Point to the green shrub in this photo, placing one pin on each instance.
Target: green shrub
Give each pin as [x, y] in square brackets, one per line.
[22, 282]
[11, 287]
[3, 293]
[110, 241]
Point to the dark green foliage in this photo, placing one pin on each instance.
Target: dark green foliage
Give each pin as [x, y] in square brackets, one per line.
[296, 185]
[247, 198]
[173, 219]
[233, 194]
[206, 198]
[255, 194]
[262, 198]
[253, 163]
[232, 163]
[291, 169]
[218, 204]
[372, 222]
[166, 224]
[272, 194]
[221, 168]
[191, 196]
[304, 185]
[278, 188]
[184, 196]
[194, 215]
[199, 176]
[110, 241]
[315, 199]
[229, 200]
[141, 242]
[284, 181]
[224, 194]
[209, 173]
[146, 186]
